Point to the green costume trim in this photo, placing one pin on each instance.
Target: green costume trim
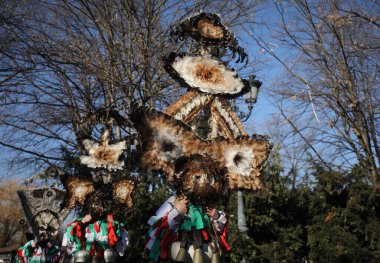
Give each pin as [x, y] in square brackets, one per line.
[74, 239]
[90, 229]
[32, 258]
[156, 247]
[198, 219]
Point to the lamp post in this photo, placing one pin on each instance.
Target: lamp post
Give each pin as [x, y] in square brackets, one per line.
[250, 98]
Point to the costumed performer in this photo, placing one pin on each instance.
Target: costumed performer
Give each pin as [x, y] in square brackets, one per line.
[38, 251]
[180, 224]
[103, 239]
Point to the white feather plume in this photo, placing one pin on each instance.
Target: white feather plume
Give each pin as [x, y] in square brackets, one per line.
[239, 160]
[227, 80]
[103, 154]
[166, 135]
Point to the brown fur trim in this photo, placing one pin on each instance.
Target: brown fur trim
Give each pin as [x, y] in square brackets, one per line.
[213, 126]
[227, 119]
[200, 178]
[122, 191]
[208, 73]
[176, 106]
[242, 157]
[232, 114]
[209, 30]
[193, 114]
[78, 190]
[187, 104]
[174, 57]
[206, 28]
[163, 139]
[223, 128]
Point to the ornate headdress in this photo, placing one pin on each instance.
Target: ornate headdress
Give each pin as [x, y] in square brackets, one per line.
[97, 189]
[229, 158]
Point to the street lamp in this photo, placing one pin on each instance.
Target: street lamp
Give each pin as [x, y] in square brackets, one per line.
[250, 98]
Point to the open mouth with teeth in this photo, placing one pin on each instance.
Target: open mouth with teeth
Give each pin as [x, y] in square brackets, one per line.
[200, 179]
[204, 179]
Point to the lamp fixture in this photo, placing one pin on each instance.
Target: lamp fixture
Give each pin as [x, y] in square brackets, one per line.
[250, 98]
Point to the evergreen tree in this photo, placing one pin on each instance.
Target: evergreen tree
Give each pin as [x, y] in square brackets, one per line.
[276, 218]
[336, 220]
[345, 224]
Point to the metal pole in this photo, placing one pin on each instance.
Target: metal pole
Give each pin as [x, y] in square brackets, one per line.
[242, 223]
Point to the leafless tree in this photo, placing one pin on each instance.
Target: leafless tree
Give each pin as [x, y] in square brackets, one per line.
[330, 51]
[65, 65]
[293, 150]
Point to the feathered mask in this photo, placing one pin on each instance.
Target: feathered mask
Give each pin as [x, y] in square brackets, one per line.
[207, 30]
[200, 178]
[166, 139]
[96, 197]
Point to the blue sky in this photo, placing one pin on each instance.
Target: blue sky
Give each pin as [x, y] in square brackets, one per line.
[265, 68]
[262, 110]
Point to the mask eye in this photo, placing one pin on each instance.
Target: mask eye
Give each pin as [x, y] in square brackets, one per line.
[238, 159]
[204, 178]
[168, 146]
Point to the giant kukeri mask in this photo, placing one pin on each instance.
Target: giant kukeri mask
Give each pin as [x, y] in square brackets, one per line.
[165, 140]
[41, 206]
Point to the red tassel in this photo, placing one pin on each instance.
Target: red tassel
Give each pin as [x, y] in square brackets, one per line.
[77, 230]
[92, 250]
[204, 234]
[168, 237]
[20, 255]
[96, 227]
[223, 240]
[112, 238]
[157, 223]
[69, 224]
[72, 231]
[165, 239]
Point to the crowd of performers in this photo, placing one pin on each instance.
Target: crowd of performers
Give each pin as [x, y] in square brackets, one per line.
[179, 232]
[84, 238]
